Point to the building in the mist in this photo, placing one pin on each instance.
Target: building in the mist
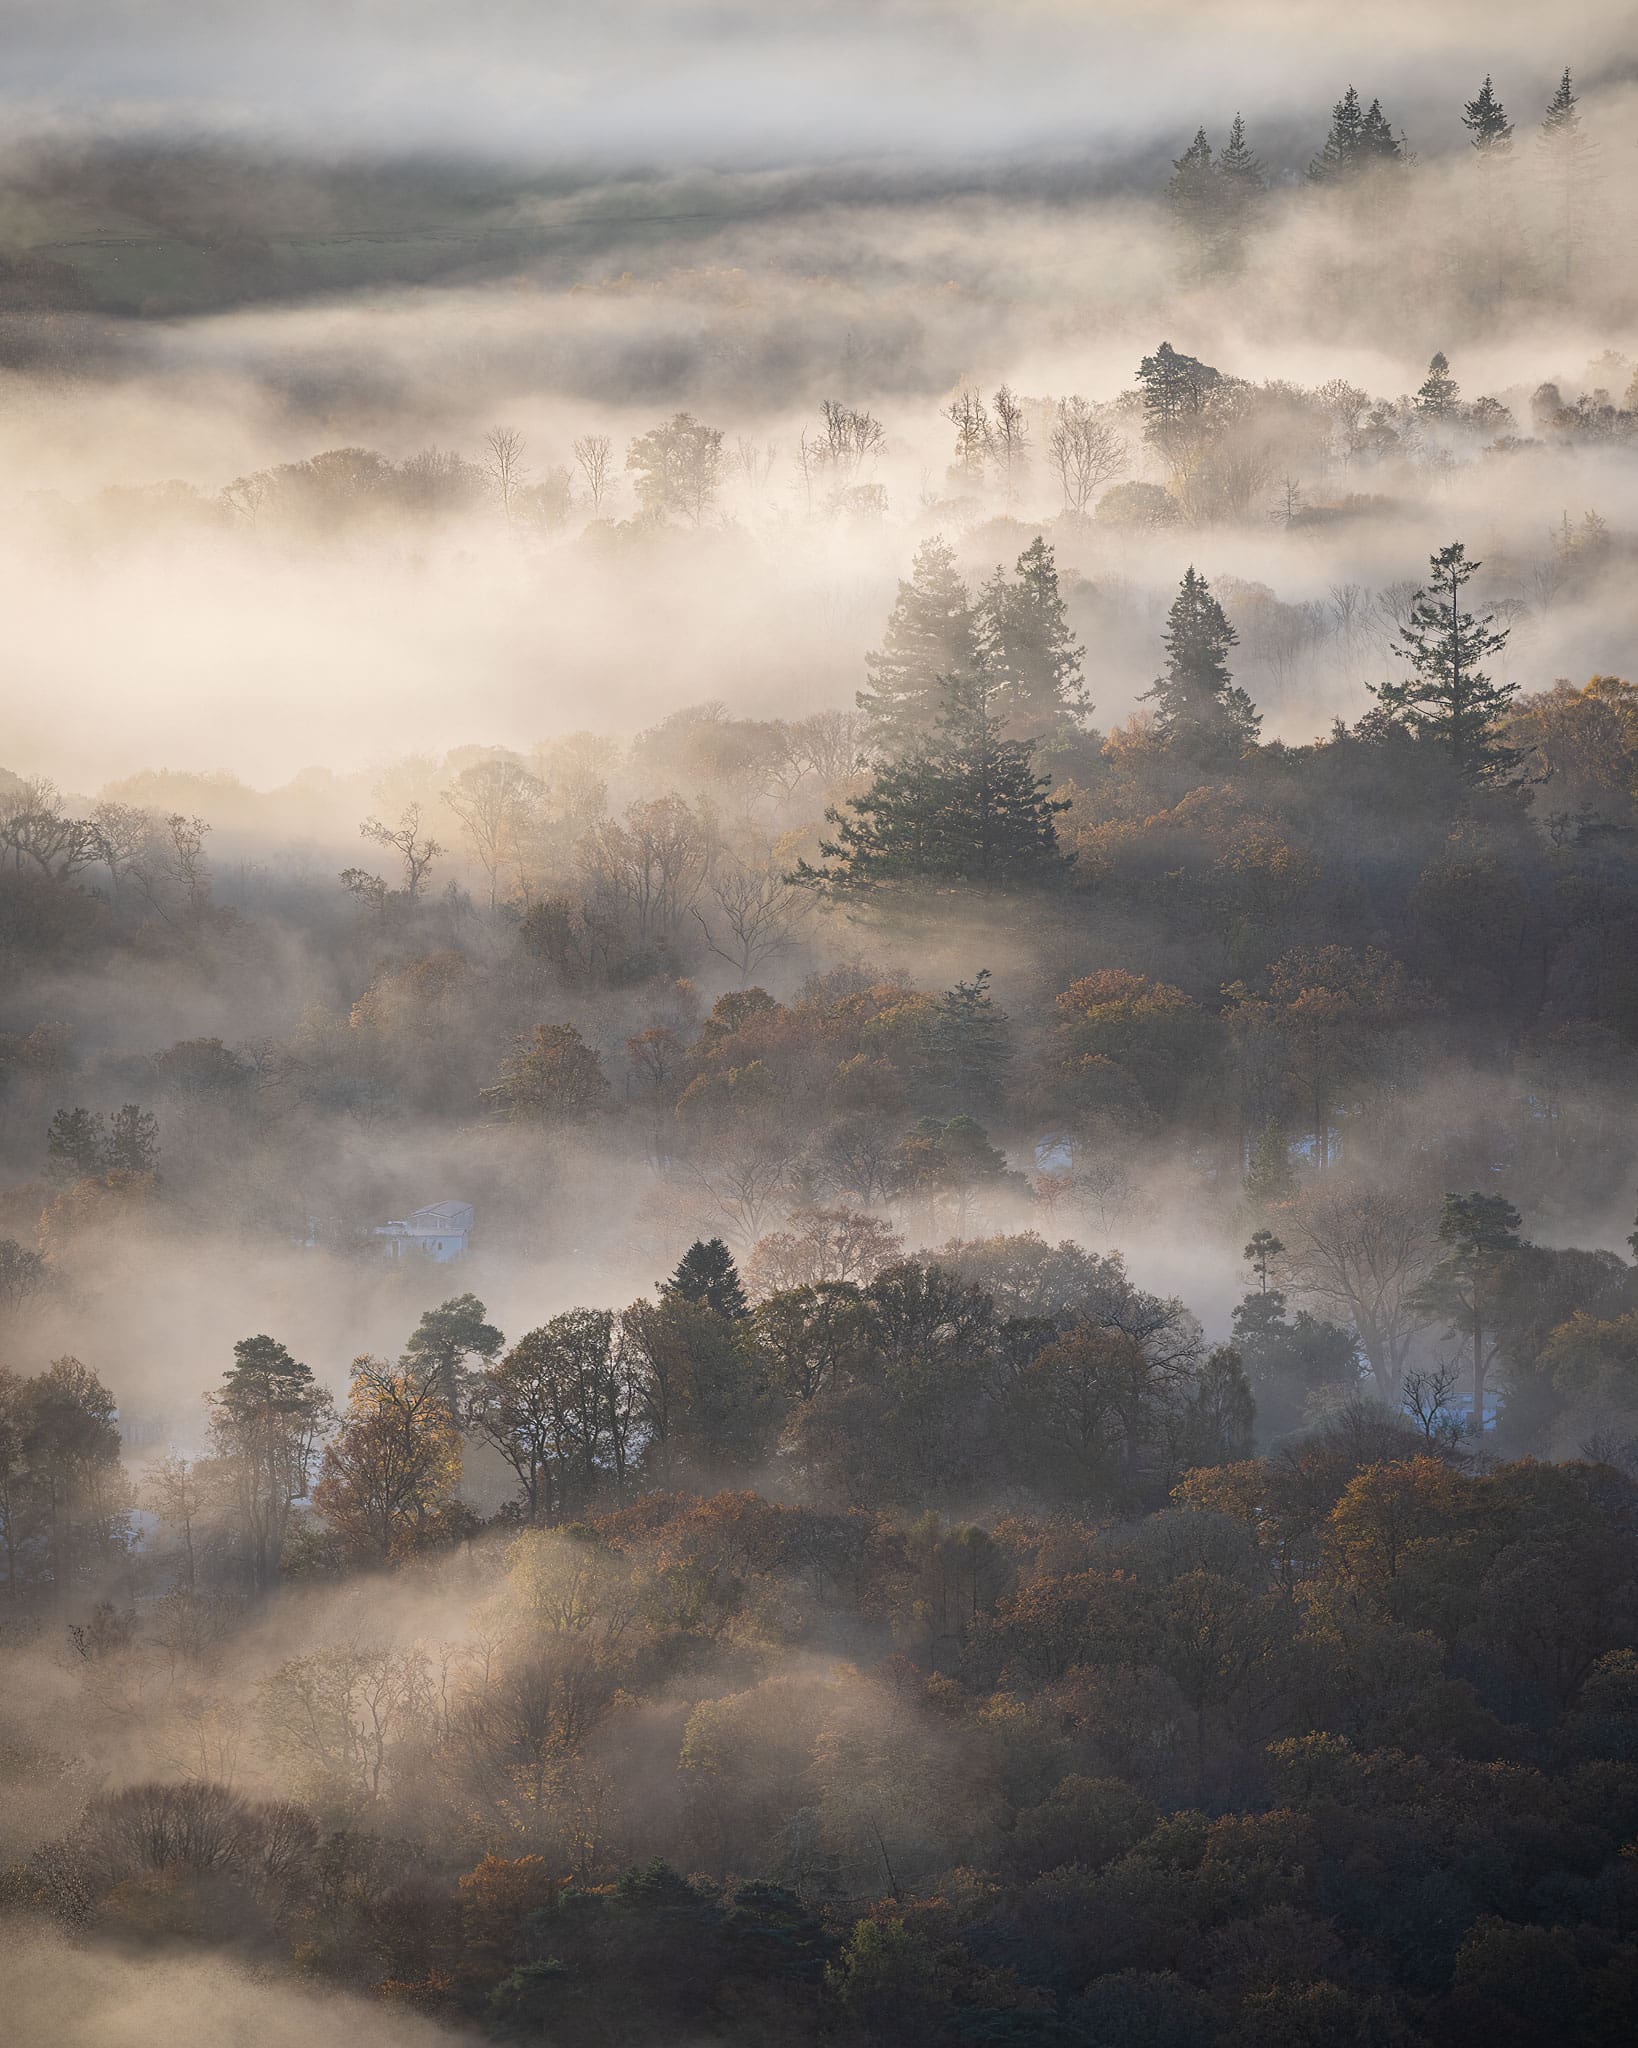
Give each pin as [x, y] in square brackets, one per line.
[439, 1231]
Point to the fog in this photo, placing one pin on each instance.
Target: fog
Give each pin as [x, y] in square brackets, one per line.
[818, 1039]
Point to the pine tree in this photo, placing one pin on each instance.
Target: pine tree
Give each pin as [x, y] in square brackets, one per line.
[133, 1140]
[1567, 152]
[931, 634]
[1269, 1177]
[1447, 699]
[1340, 156]
[1198, 710]
[1486, 121]
[971, 1047]
[1023, 631]
[967, 807]
[1192, 194]
[1358, 139]
[1376, 139]
[1478, 1231]
[1440, 394]
[1242, 183]
[1260, 1255]
[707, 1276]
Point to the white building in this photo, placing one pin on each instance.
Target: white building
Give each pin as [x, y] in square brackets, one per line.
[439, 1231]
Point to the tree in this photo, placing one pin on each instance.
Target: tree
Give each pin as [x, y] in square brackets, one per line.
[133, 1140]
[23, 1274]
[495, 801]
[970, 1047]
[1269, 1176]
[72, 1499]
[1485, 119]
[390, 1471]
[76, 1145]
[1567, 155]
[267, 1420]
[1260, 1254]
[446, 1340]
[1192, 193]
[1009, 440]
[1478, 1231]
[552, 1077]
[504, 466]
[1358, 141]
[559, 1407]
[1447, 699]
[1084, 453]
[678, 469]
[758, 912]
[707, 1276]
[1364, 1247]
[1025, 641]
[405, 839]
[931, 635]
[1242, 185]
[1199, 712]
[966, 809]
[1439, 395]
[592, 456]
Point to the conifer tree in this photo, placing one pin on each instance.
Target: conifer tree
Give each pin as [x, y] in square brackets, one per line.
[1447, 698]
[971, 1047]
[1024, 637]
[1192, 194]
[1440, 394]
[1269, 1177]
[1260, 1255]
[1567, 152]
[1198, 710]
[1359, 138]
[967, 807]
[931, 634]
[1485, 119]
[1340, 156]
[707, 1276]
[1241, 183]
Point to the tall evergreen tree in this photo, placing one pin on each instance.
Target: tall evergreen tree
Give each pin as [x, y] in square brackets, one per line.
[707, 1276]
[1478, 1232]
[1242, 183]
[932, 633]
[1024, 636]
[1359, 138]
[966, 808]
[1198, 710]
[1440, 394]
[1192, 195]
[1447, 698]
[1567, 152]
[971, 1047]
[1485, 119]
[1269, 1177]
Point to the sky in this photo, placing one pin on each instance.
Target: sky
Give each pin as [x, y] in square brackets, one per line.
[768, 80]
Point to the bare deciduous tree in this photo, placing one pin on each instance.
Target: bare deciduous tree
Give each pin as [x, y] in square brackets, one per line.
[1364, 1248]
[593, 456]
[504, 465]
[757, 916]
[1084, 453]
[405, 840]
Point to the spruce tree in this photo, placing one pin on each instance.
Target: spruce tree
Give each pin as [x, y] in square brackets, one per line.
[1241, 183]
[1024, 636]
[1567, 152]
[971, 1047]
[1340, 157]
[707, 1276]
[1199, 713]
[1447, 698]
[1440, 394]
[1376, 139]
[966, 808]
[1192, 194]
[1486, 121]
[931, 634]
